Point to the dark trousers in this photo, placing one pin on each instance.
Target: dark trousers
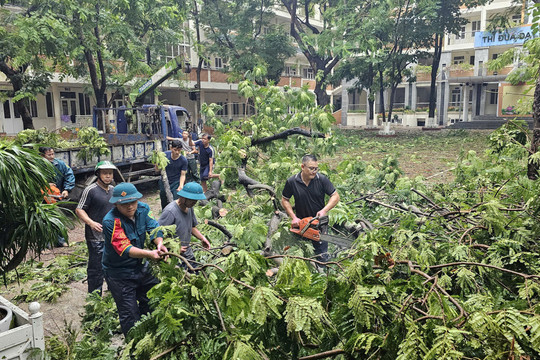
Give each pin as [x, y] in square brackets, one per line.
[163, 195]
[192, 173]
[130, 297]
[321, 250]
[94, 270]
[321, 247]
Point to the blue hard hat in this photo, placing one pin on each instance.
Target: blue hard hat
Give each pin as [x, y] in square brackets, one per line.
[125, 193]
[192, 191]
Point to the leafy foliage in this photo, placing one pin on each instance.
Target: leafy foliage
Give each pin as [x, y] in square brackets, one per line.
[91, 144]
[26, 223]
[444, 278]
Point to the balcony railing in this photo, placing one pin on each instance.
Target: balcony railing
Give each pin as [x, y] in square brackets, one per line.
[466, 37]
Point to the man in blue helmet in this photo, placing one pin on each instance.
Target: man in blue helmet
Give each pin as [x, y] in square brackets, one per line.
[181, 214]
[128, 277]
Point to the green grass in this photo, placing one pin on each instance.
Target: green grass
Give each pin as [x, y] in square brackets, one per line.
[419, 153]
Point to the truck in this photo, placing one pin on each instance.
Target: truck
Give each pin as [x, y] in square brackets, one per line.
[132, 134]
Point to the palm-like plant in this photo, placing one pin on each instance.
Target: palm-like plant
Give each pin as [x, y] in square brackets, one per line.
[27, 224]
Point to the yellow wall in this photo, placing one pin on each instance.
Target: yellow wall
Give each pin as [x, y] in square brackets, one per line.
[509, 95]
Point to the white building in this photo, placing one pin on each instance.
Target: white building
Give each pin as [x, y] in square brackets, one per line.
[466, 90]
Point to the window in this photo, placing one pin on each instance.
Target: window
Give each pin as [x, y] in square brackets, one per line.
[81, 103]
[458, 60]
[494, 56]
[308, 74]
[218, 63]
[493, 96]
[16, 112]
[7, 110]
[236, 109]
[475, 26]
[33, 108]
[206, 64]
[49, 102]
[289, 71]
[461, 34]
[456, 96]
[224, 108]
[516, 19]
[87, 104]
[471, 60]
[177, 50]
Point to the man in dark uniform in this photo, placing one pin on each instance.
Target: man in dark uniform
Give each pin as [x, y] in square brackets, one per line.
[128, 278]
[176, 172]
[93, 206]
[309, 188]
[207, 159]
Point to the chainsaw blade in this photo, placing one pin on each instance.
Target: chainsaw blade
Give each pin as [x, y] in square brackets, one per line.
[337, 240]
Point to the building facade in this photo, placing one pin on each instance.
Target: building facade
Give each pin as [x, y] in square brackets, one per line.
[466, 89]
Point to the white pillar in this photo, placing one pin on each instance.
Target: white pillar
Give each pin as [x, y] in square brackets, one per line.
[483, 19]
[466, 102]
[344, 102]
[56, 105]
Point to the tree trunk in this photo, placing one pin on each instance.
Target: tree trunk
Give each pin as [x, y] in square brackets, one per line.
[199, 67]
[434, 70]
[15, 78]
[167, 186]
[320, 91]
[381, 94]
[371, 104]
[22, 108]
[533, 167]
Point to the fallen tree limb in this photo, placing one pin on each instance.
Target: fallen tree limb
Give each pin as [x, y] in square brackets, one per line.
[307, 259]
[323, 355]
[525, 276]
[462, 312]
[285, 134]
[273, 226]
[220, 227]
[414, 211]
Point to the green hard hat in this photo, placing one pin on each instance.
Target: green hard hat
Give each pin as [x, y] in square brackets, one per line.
[104, 165]
[192, 191]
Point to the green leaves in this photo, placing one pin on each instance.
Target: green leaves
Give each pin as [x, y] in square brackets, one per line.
[91, 143]
[305, 317]
[26, 222]
[263, 302]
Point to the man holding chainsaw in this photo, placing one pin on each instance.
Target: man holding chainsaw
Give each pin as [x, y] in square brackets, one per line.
[309, 188]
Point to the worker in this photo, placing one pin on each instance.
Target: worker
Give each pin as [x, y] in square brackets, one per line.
[176, 172]
[64, 179]
[128, 278]
[189, 150]
[181, 214]
[92, 208]
[207, 159]
[309, 188]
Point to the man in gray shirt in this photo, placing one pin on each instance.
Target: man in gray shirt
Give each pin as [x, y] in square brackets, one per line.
[181, 214]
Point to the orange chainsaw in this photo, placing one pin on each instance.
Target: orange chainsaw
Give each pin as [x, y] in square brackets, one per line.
[310, 228]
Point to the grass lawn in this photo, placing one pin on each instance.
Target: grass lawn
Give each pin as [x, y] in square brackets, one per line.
[420, 153]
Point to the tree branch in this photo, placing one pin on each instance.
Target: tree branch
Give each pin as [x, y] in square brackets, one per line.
[285, 134]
